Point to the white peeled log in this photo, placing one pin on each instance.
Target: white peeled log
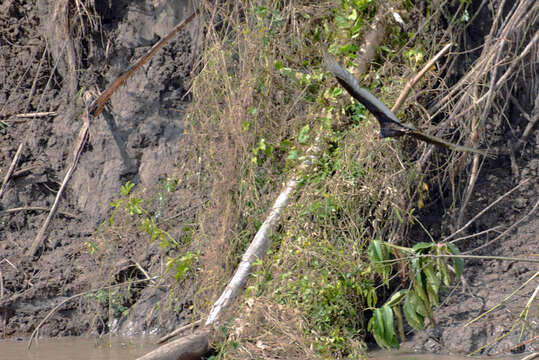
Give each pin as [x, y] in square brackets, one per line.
[261, 241]
[256, 250]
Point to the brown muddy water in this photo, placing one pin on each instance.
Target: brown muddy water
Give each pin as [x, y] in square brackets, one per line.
[115, 348]
[77, 348]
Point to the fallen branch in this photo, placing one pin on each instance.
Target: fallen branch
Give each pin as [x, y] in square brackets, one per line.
[410, 84]
[191, 347]
[99, 104]
[83, 135]
[255, 251]
[535, 355]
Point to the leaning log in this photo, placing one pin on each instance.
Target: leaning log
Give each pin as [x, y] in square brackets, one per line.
[190, 347]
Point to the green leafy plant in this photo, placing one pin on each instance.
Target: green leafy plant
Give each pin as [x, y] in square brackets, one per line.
[182, 264]
[112, 298]
[133, 206]
[428, 273]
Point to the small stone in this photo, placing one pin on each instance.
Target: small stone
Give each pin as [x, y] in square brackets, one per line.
[520, 203]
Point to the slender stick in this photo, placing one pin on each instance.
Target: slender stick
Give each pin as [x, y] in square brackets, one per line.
[179, 331]
[83, 135]
[35, 208]
[485, 209]
[410, 84]
[11, 169]
[37, 114]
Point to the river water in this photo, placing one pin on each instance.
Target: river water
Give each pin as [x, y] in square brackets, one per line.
[115, 348]
[77, 348]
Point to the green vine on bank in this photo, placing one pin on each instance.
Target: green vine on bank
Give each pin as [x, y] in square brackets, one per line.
[133, 205]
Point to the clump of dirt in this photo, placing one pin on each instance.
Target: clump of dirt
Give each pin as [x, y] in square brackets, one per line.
[136, 139]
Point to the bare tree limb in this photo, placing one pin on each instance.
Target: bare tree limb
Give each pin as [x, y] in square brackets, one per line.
[255, 251]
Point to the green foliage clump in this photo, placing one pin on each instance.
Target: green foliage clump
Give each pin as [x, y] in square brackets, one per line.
[263, 102]
[133, 205]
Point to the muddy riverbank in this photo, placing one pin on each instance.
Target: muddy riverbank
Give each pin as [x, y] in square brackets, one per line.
[138, 139]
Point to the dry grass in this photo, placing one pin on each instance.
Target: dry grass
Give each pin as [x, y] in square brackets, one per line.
[240, 98]
[361, 189]
[266, 330]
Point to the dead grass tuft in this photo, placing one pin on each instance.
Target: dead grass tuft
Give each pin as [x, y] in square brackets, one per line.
[266, 330]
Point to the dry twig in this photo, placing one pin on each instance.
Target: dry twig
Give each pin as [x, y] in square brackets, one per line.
[11, 169]
[179, 331]
[35, 208]
[37, 114]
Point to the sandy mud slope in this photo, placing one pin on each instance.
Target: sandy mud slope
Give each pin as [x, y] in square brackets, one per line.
[136, 139]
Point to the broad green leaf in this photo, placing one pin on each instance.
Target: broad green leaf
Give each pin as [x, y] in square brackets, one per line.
[420, 304]
[433, 284]
[433, 295]
[457, 261]
[378, 248]
[396, 297]
[379, 322]
[378, 253]
[382, 327]
[389, 327]
[372, 298]
[376, 326]
[371, 252]
[422, 246]
[442, 268]
[400, 323]
[432, 279]
[414, 319]
[417, 270]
